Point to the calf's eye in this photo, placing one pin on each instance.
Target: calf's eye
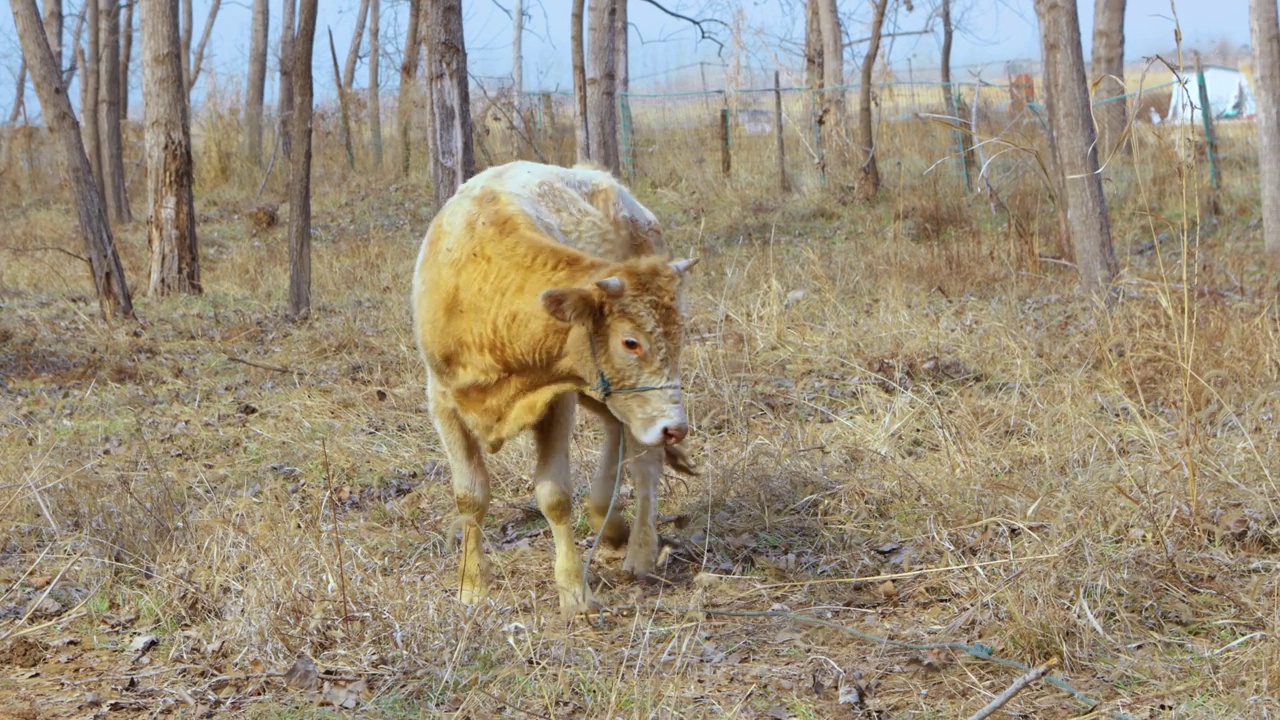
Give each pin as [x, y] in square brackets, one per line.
[632, 345]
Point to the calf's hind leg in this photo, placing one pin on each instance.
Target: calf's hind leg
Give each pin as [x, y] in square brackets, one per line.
[470, 494]
[553, 485]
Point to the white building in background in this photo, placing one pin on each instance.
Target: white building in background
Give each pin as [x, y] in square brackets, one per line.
[1230, 95]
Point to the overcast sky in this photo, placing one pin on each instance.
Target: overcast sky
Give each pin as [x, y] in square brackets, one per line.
[991, 33]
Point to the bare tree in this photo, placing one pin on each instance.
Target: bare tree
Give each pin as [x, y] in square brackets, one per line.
[866, 126]
[192, 73]
[284, 103]
[126, 57]
[353, 53]
[19, 97]
[1264, 32]
[622, 66]
[408, 71]
[813, 69]
[602, 79]
[300, 165]
[112, 137]
[171, 217]
[53, 30]
[114, 299]
[953, 109]
[345, 119]
[622, 63]
[257, 80]
[375, 107]
[832, 61]
[89, 91]
[1108, 74]
[1071, 128]
[581, 133]
[517, 50]
[452, 156]
[188, 29]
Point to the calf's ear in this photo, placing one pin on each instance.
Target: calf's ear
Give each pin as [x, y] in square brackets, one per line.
[571, 304]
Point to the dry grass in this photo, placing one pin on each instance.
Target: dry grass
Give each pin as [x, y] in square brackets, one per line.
[908, 388]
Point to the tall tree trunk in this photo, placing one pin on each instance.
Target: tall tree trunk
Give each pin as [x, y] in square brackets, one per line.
[109, 115]
[171, 216]
[188, 21]
[408, 71]
[90, 76]
[622, 66]
[582, 136]
[114, 299]
[452, 157]
[602, 84]
[953, 110]
[126, 57]
[197, 59]
[353, 53]
[832, 62]
[53, 30]
[866, 124]
[375, 106]
[284, 103]
[257, 81]
[517, 51]
[813, 68]
[1264, 32]
[1108, 75]
[342, 104]
[300, 163]
[1071, 126]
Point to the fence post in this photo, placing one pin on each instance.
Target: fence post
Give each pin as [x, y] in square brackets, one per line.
[724, 138]
[1210, 140]
[782, 148]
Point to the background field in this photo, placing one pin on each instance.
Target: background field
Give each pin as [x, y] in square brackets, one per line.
[908, 423]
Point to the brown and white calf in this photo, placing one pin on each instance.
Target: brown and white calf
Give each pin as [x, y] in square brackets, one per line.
[538, 288]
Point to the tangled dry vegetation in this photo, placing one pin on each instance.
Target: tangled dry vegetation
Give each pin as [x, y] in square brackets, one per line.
[909, 426]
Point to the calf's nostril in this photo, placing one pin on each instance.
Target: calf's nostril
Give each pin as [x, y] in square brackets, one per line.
[673, 434]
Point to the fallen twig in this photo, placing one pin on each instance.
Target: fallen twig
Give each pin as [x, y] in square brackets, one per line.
[1017, 687]
[261, 366]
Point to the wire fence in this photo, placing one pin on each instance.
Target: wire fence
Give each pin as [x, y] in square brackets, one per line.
[954, 141]
[958, 138]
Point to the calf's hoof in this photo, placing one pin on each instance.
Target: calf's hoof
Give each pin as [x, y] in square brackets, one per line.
[473, 593]
[640, 565]
[576, 601]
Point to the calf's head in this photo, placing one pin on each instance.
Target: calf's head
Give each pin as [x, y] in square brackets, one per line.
[634, 321]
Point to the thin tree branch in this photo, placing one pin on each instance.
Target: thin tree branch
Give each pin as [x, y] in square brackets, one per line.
[1018, 686]
[699, 24]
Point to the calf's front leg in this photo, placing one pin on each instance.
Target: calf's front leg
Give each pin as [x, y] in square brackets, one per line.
[553, 485]
[646, 473]
[470, 494]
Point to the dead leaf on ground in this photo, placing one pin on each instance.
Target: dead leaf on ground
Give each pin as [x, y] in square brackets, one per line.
[779, 713]
[932, 661]
[345, 696]
[143, 643]
[303, 675]
[788, 635]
